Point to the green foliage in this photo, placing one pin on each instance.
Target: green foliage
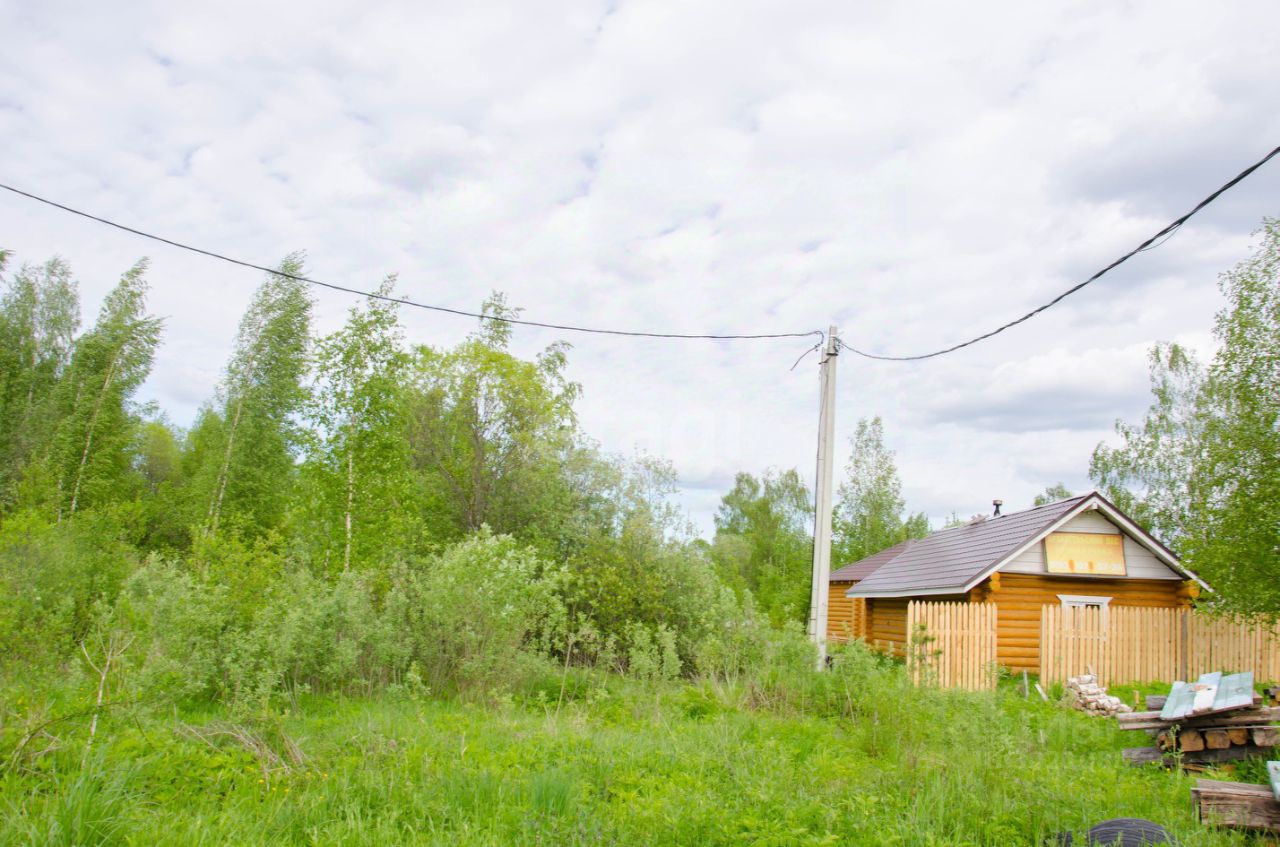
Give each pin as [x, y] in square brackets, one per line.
[652, 653]
[474, 613]
[635, 565]
[245, 627]
[359, 497]
[54, 579]
[159, 461]
[1148, 475]
[490, 435]
[763, 543]
[91, 807]
[1052, 494]
[39, 315]
[90, 457]
[868, 511]
[853, 757]
[242, 467]
[1235, 537]
[1203, 467]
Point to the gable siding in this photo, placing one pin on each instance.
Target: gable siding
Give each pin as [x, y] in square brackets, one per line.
[1140, 563]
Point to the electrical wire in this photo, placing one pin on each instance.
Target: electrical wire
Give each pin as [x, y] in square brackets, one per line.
[822, 339]
[1150, 243]
[403, 302]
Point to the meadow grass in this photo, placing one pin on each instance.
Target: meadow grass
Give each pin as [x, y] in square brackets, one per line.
[620, 763]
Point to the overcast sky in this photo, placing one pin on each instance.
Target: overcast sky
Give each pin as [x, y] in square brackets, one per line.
[914, 173]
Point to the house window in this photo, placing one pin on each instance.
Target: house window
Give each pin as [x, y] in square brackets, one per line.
[1086, 601]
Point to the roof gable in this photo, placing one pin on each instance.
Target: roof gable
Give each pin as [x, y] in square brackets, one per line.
[951, 561]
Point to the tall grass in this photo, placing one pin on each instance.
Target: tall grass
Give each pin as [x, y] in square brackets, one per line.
[783, 757]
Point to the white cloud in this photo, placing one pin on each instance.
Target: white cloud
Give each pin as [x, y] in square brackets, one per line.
[913, 172]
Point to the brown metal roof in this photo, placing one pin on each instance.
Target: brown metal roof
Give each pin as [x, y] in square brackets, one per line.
[863, 568]
[949, 559]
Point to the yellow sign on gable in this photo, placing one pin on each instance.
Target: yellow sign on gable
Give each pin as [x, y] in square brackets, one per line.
[1085, 553]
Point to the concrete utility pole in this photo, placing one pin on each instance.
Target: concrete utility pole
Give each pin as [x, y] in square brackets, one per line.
[822, 512]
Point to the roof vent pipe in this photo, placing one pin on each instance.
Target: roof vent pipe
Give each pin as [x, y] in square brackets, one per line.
[997, 504]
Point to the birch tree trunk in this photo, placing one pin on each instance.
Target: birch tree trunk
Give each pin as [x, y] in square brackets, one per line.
[351, 495]
[215, 505]
[88, 441]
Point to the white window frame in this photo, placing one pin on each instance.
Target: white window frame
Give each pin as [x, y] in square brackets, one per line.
[1085, 600]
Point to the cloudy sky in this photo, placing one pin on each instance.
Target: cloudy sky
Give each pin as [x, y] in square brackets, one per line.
[914, 173]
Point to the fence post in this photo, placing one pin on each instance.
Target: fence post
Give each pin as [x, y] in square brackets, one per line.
[1186, 644]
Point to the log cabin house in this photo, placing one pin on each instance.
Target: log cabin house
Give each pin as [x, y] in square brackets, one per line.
[1082, 551]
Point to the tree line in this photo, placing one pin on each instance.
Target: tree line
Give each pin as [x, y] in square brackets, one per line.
[350, 472]
[356, 465]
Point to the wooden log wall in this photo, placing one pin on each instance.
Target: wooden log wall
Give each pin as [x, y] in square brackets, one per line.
[845, 615]
[1021, 597]
[887, 624]
[1130, 644]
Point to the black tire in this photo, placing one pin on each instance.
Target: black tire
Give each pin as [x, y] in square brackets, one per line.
[1129, 832]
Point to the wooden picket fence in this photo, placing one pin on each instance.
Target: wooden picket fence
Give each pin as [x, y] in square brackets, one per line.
[1134, 644]
[952, 645]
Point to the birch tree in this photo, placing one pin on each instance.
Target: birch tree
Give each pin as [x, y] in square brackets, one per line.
[1202, 469]
[1235, 537]
[246, 442]
[92, 453]
[868, 514]
[39, 317]
[1148, 473]
[357, 478]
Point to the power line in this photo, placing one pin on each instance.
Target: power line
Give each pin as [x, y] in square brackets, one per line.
[1146, 245]
[461, 312]
[1149, 244]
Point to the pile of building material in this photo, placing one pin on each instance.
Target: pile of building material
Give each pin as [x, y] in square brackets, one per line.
[1088, 696]
[1215, 719]
[1238, 805]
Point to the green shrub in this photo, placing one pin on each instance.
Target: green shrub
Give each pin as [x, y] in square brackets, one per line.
[474, 613]
[52, 576]
[467, 619]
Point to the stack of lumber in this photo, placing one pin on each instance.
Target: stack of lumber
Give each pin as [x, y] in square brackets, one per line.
[1088, 696]
[1215, 719]
[1239, 805]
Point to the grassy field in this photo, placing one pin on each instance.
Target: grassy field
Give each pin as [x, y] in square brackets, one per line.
[619, 762]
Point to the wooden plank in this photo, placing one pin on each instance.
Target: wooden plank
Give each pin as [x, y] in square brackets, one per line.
[1143, 756]
[1256, 716]
[1170, 758]
[1231, 754]
[1235, 804]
